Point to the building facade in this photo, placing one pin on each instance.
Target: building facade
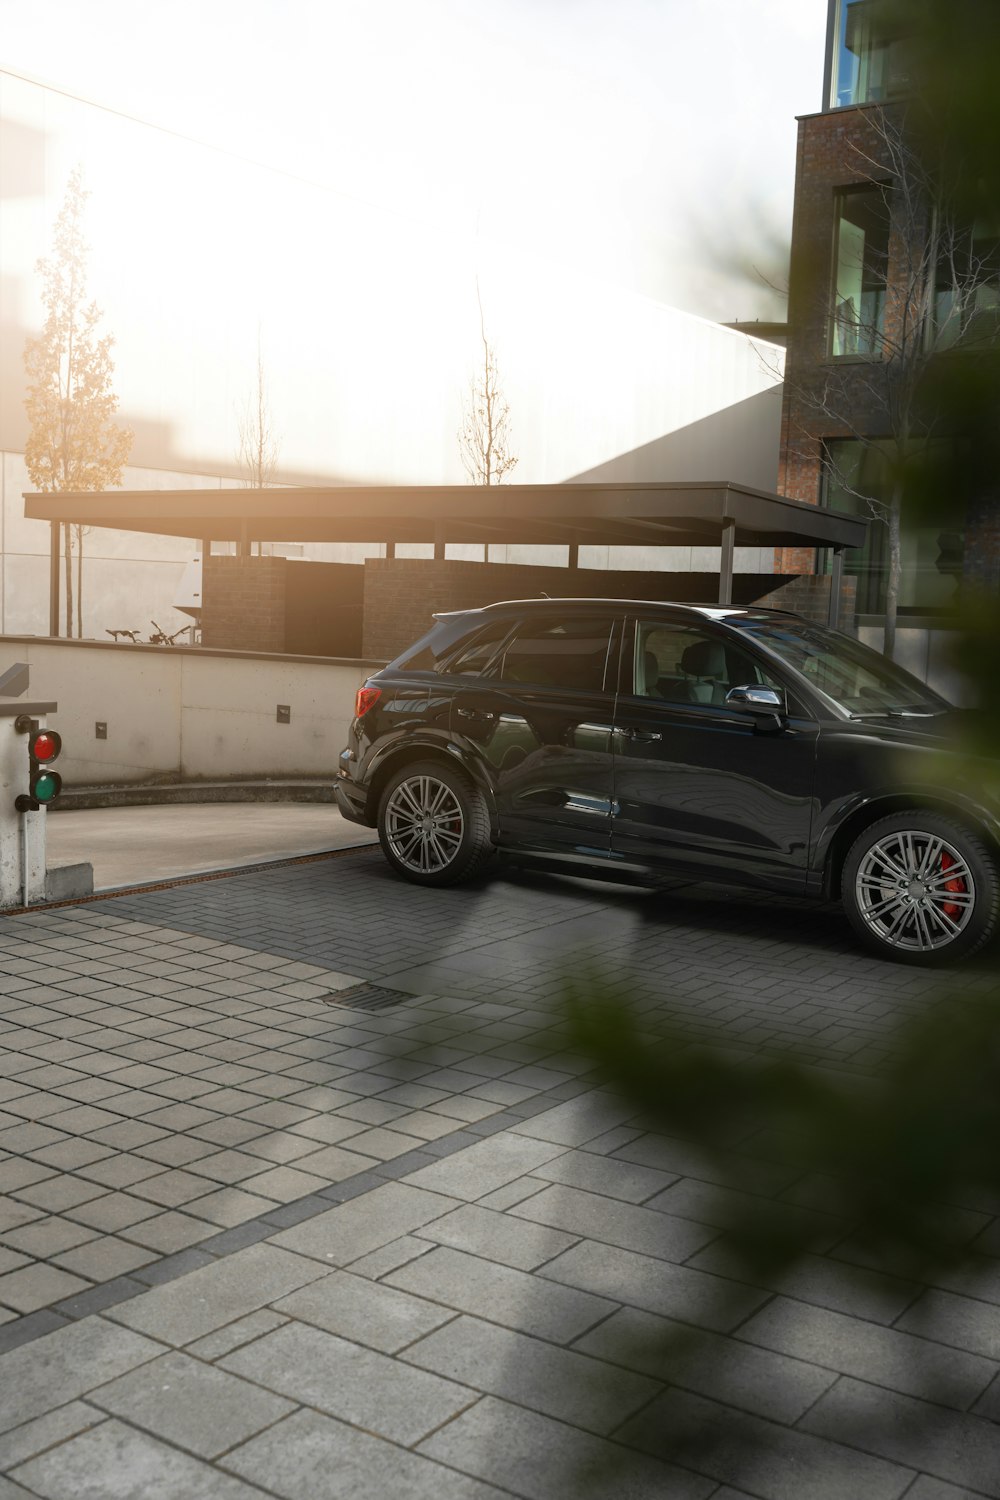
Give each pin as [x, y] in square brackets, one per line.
[369, 327]
[884, 286]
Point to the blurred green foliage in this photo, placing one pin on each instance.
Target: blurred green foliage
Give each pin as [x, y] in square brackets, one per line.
[892, 1162]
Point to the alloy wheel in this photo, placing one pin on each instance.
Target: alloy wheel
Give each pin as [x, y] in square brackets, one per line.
[915, 891]
[424, 824]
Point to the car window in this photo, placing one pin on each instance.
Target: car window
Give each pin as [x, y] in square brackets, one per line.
[683, 664]
[452, 647]
[564, 653]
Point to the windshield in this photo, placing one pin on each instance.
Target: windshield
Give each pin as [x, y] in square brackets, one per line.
[857, 679]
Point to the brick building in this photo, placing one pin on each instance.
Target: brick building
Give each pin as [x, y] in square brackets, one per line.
[868, 273]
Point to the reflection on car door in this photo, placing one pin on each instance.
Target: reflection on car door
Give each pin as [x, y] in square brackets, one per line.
[698, 784]
[541, 715]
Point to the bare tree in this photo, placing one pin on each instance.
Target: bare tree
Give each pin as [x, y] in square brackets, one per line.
[484, 437]
[934, 291]
[73, 444]
[258, 446]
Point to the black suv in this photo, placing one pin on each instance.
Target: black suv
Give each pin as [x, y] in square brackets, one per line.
[739, 745]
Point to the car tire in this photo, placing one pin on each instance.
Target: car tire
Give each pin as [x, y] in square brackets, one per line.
[434, 825]
[919, 888]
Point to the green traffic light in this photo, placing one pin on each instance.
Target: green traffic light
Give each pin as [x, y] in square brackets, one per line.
[46, 787]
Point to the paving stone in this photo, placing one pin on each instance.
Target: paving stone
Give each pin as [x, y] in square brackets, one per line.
[113, 1212]
[353, 1229]
[756, 1380]
[541, 1376]
[312, 1455]
[229, 1206]
[64, 1364]
[341, 1378]
[655, 1285]
[22, 1443]
[104, 1257]
[578, 1120]
[517, 1300]
[389, 1257]
[884, 1356]
[962, 1449]
[169, 1232]
[198, 1407]
[484, 1167]
[775, 1462]
[45, 1238]
[497, 1237]
[216, 1294]
[57, 1193]
[599, 1174]
[960, 1321]
[113, 1462]
[364, 1311]
[854, 1290]
[37, 1285]
[235, 1335]
[542, 1459]
[591, 1216]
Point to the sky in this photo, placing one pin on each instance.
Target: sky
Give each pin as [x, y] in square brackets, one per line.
[648, 142]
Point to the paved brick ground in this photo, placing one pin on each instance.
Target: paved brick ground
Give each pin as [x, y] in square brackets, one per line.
[256, 1239]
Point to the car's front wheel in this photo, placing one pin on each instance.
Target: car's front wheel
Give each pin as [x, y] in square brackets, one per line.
[433, 824]
[919, 888]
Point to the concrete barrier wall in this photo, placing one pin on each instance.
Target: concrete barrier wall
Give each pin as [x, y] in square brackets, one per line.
[188, 713]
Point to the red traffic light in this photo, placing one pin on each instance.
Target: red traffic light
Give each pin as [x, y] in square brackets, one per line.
[45, 745]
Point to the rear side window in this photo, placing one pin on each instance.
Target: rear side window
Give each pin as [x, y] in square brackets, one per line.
[452, 646]
[565, 653]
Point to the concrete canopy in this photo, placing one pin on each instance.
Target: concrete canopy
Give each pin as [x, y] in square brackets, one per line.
[573, 514]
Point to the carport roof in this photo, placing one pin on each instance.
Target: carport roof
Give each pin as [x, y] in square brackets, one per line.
[605, 514]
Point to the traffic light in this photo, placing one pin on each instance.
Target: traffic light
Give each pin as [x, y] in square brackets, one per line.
[44, 745]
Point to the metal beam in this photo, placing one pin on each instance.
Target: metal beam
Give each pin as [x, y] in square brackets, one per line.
[726, 563]
[836, 581]
[53, 578]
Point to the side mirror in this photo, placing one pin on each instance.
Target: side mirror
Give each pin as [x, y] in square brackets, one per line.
[757, 699]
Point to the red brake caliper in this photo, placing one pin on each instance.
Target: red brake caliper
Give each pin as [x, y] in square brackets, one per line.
[951, 909]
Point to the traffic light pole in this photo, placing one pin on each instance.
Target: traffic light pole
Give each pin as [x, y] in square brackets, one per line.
[22, 834]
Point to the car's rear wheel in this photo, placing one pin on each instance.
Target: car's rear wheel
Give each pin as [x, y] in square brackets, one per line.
[919, 888]
[433, 824]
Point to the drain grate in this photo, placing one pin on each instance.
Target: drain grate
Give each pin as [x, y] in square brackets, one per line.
[368, 997]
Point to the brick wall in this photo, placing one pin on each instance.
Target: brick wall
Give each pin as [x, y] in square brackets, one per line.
[834, 151]
[810, 596]
[402, 594]
[243, 603]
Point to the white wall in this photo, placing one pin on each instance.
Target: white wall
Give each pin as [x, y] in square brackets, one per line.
[199, 715]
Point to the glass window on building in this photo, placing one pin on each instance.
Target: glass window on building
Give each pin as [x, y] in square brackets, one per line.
[967, 288]
[870, 63]
[857, 479]
[860, 269]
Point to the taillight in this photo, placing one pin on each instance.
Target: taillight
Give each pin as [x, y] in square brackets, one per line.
[366, 699]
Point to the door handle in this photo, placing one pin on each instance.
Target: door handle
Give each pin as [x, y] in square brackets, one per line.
[475, 713]
[643, 736]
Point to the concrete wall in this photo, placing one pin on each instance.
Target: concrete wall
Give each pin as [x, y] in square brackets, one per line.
[188, 713]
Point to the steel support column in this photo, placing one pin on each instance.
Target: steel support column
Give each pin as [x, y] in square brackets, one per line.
[726, 562]
[53, 578]
[836, 582]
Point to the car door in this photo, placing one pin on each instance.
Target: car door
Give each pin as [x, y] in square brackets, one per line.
[700, 784]
[541, 715]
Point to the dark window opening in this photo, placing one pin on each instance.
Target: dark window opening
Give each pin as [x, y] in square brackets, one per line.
[860, 272]
[857, 479]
